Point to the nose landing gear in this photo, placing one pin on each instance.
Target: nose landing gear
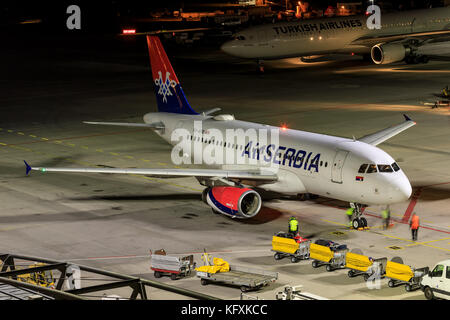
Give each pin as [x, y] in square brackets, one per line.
[358, 221]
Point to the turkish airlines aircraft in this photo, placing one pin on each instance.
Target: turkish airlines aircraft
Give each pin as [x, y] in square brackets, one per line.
[299, 162]
[398, 38]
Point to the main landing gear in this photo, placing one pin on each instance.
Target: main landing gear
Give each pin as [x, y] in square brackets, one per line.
[415, 59]
[358, 221]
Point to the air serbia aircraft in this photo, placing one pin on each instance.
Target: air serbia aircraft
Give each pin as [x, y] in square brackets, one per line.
[346, 169]
[398, 38]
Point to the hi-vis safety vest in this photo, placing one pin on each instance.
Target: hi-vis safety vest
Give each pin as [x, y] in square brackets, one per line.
[293, 225]
[384, 214]
[415, 222]
[350, 211]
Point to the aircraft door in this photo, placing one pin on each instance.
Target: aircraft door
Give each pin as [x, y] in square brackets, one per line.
[336, 167]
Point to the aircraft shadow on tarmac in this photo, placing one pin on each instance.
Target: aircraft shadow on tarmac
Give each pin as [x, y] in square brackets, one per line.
[433, 193]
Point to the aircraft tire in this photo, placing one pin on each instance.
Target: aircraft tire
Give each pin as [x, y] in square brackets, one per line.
[356, 223]
[363, 222]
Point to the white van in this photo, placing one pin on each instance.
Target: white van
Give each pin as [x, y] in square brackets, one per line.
[437, 283]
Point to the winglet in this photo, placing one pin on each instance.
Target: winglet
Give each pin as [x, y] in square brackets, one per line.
[28, 167]
[407, 118]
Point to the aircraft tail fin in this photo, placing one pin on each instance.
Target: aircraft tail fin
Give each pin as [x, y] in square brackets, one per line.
[169, 94]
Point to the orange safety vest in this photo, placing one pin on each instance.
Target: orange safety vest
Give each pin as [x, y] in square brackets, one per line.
[415, 222]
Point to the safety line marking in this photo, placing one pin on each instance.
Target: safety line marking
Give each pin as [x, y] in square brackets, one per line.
[411, 205]
[417, 243]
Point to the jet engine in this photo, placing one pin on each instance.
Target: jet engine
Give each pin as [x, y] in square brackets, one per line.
[383, 53]
[235, 202]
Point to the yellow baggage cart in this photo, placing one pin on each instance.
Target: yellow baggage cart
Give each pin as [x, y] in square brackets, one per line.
[284, 247]
[328, 253]
[358, 263]
[401, 274]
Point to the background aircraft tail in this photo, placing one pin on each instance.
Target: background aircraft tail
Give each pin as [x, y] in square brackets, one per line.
[169, 94]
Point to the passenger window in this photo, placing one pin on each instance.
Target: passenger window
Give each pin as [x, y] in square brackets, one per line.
[395, 166]
[438, 270]
[372, 168]
[363, 168]
[384, 168]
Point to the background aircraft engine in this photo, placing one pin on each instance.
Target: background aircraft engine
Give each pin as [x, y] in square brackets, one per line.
[388, 53]
[235, 202]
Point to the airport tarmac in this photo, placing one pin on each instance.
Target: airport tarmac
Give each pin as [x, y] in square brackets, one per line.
[111, 222]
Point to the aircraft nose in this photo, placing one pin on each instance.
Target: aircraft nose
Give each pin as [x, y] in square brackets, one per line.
[403, 189]
[228, 47]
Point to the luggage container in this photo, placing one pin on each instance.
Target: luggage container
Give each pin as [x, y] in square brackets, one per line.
[285, 246]
[401, 274]
[175, 267]
[328, 253]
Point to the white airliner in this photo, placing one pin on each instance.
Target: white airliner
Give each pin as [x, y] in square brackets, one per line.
[346, 169]
[398, 38]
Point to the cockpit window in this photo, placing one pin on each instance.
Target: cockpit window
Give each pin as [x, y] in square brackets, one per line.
[372, 168]
[240, 37]
[384, 168]
[363, 168]
[395, 166]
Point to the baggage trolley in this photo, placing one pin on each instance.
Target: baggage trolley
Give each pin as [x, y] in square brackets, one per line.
[401, 274]
[284, 247]
[328, 253]
[175, 267]
[357, 263]
[248, 279]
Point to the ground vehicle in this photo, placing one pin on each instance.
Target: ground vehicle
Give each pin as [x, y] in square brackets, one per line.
[436, 284]
[247, 278]
[41, 278]
[284, 246]
[174, 266]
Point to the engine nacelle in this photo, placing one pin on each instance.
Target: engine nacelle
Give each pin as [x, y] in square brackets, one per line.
[235, 202]
[388, 53]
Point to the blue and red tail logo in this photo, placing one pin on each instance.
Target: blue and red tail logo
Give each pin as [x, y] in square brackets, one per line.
[359, 178]
[169, 94]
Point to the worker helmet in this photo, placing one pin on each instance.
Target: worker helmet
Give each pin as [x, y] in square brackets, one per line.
[292, 218]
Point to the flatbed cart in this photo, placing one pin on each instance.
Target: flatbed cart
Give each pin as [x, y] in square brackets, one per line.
[401, 274]
[328, 253]
[285, 247]
[248, 279]
[173, 266]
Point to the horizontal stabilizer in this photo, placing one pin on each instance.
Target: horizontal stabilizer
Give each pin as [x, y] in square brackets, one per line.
[385, 134]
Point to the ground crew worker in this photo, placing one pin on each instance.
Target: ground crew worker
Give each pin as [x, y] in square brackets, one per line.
[386, 215]
[293, 226]
[349, 214]
[414, 225]
[445, 91]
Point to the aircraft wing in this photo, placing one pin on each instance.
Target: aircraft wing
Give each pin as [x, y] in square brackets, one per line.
[385, 134]
[371, 41]
[126, 124]
[169, 173]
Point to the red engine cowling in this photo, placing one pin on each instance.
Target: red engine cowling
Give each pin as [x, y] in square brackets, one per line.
[235, 202]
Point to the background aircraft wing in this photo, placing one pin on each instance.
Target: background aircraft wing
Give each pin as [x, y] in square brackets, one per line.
[157, 125]
[432, 35]
[169, 173]
[385, 134]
